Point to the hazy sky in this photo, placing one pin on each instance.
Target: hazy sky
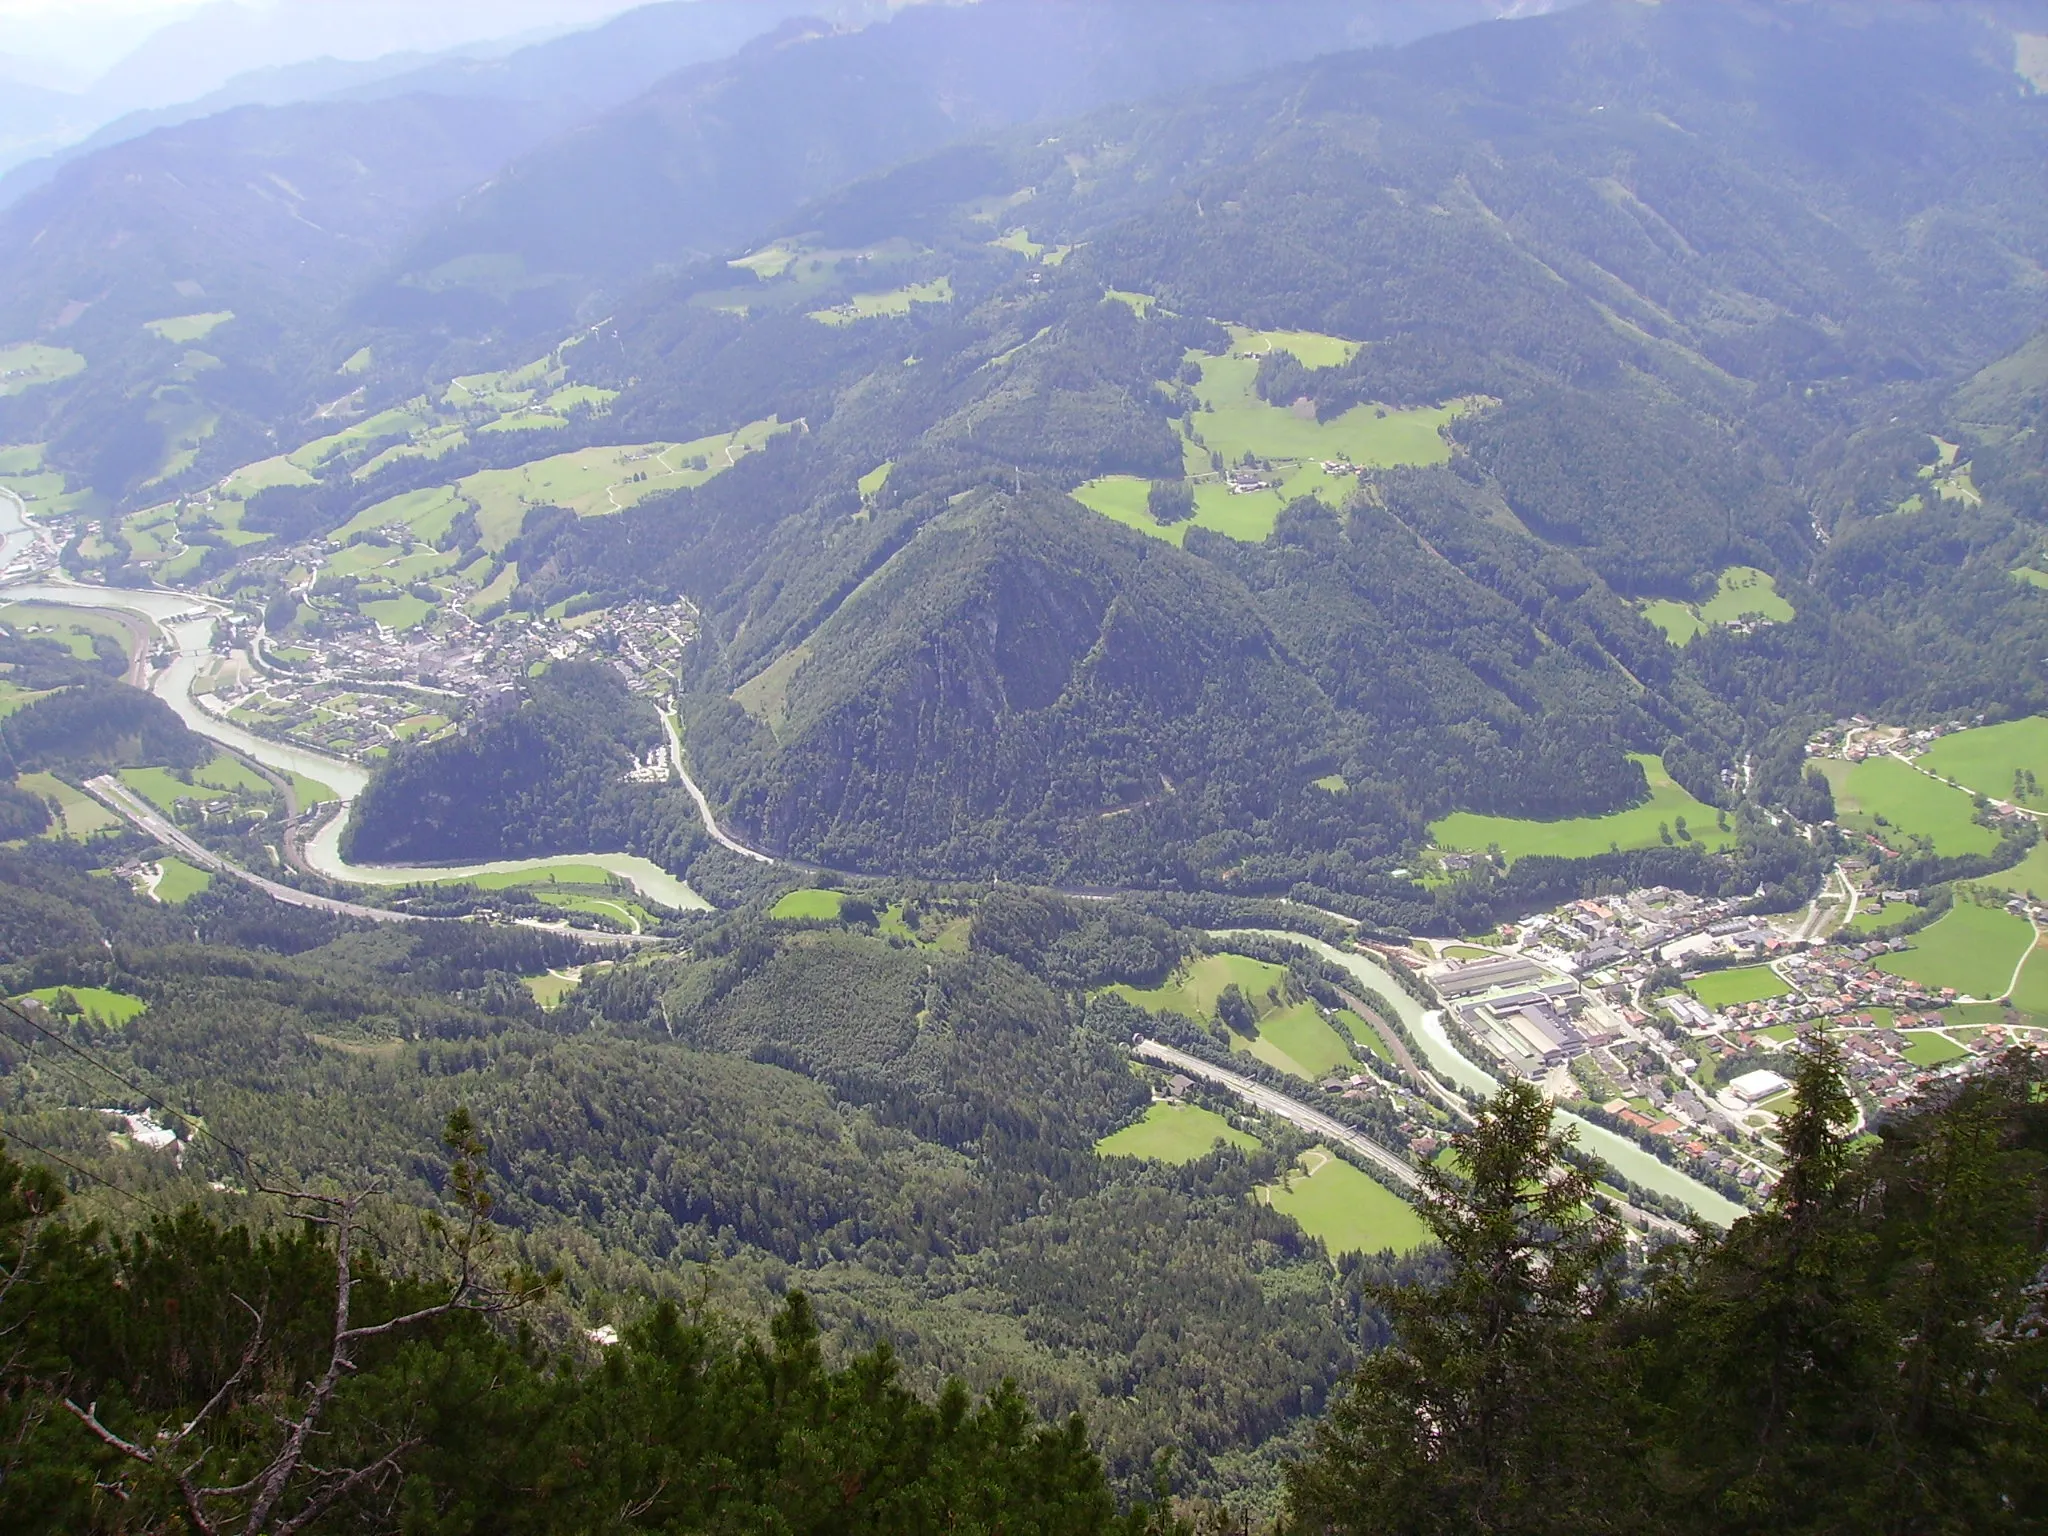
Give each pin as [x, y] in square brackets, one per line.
[81, 38]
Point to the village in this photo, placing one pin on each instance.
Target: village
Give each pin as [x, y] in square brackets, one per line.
[1676, 1019]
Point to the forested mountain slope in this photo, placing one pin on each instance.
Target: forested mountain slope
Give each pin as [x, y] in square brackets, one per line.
[710, 156]
[1656, 309]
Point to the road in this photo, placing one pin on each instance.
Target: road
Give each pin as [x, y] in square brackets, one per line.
[120, 798]
[1291, 1110]
[1296, 1113]
[718, 834]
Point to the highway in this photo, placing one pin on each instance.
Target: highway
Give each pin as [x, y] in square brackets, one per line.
[1316, 1123]
[1278, 1104]
[120, 798]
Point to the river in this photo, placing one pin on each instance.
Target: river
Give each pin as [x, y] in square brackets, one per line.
[1449, 1063]
[189, 621]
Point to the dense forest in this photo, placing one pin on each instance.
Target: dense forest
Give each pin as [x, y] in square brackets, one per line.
[1864, 1354]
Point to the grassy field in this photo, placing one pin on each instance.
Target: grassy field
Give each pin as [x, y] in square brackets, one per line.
[1909, 801]
[72, 628]
[1174, 1133]
[1925, 1048]
[1743, 592]
[184, 329]
[897, 301]
[98, 1003]
[1298, 1040]
[617, 908]
[1988, 758]
[871, 483]
[220, 773]
[818, 906]
[1351, 1213]
[1579, 837]
[1234, 421]
[545, 875]
[397, 613]
[1880, 916]
[1249, 518]
[1746, 984]
[26, 364]
[181, 882]
[1972, 949]
[2031, 993]
[14, 697]
[594, 481]
[79, 814]
[1193, 990]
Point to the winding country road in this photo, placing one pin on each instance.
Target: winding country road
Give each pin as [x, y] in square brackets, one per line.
[718, 833]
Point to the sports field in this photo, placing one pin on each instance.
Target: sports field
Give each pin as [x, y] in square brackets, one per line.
[1579, 837]
[1351, 1213]
[1990, 758]
[1745, 984]
[815, 906]
[97, 1003]
[26, 364]
[1972, 949]
[1174, 1133]
[1909, 802]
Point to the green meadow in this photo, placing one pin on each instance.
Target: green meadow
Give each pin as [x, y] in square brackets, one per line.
[1926, 1048]
[1989, 758]
[1579, 837]
[26, 364]
[1742, 592]
[72, 628]
[1881, 915]
[1234, 421]
[1350, 1212]
[184, 329]
[1299, 1041]
[222, 774]
[896, 301]
[1908, 801]
[13, 697]
[96, 1003]
[1972, 949]
[1745, 984]
[1194, 989]
[79, 815]
[181, 882]
[810, 906]
[1174, 1133]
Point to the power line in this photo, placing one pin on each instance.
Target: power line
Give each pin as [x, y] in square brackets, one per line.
[234, 1151]
[84, 1172]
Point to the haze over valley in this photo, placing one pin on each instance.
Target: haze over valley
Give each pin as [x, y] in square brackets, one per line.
[980, 766]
